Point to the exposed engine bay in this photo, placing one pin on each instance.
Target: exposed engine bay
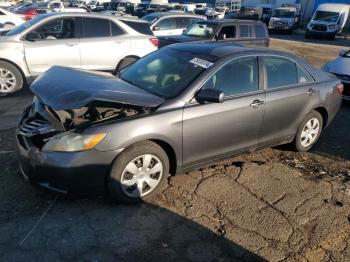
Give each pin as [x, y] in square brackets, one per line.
[96, 112]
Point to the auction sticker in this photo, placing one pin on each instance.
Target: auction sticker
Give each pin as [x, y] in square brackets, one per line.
[200, 62]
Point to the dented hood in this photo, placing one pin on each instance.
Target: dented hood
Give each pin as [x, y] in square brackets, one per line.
[65, 88]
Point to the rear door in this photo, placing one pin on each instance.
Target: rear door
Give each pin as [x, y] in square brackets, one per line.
[103, 43]
[213, 130]
[291, 93]
[57, 44]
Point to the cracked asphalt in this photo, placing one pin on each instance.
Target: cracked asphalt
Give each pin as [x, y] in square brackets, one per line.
[274, 204]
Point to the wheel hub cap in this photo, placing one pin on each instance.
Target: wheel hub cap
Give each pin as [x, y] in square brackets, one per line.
[310, 132]
[141, 176]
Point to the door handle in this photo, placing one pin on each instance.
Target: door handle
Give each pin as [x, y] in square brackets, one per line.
[71, 44]
[311, 91]
[256, 103]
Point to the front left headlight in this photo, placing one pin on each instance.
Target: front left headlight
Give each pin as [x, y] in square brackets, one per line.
[72, 142]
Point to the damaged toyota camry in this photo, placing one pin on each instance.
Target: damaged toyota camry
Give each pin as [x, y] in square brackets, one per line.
[171, 111]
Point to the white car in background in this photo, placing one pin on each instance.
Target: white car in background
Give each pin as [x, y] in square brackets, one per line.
[340, 67]
[6, 3]
[169, 23]
[9, 19]
[85, 41]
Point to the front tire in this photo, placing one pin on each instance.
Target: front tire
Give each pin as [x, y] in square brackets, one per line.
[138, 173]
[11, 79]
[309, 132]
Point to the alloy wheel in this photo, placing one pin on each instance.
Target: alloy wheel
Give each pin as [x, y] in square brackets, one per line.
[7, 81]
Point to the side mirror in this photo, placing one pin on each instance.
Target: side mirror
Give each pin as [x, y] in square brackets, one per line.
[342, 52]
[33, 36]
[155, 28]
[210, 95]
[221, 37]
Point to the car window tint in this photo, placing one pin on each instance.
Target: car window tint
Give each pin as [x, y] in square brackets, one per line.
[142, 28]
[245, 31]
[280, 72]
[236, 77]
[57, 29]
[116, 30]
[259, 31]
[303, 76]
[184, 22]
[96, 27]
[166, 24]
[229, 31]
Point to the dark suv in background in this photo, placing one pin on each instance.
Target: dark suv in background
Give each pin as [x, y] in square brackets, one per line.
[245, 32]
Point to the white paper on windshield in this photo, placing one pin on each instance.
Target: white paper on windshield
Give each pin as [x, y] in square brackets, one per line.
[200, 62]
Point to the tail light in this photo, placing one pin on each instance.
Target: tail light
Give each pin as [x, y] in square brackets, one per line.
[340, 89]
[154, 41]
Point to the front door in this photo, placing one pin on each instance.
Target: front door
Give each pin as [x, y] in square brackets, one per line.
[213, 130]
[53, 43]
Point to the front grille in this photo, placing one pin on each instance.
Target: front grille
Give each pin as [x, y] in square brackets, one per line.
[281, 24]
[322, 28]
[34, 127]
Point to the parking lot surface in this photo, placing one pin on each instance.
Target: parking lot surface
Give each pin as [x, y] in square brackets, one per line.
[273, 205]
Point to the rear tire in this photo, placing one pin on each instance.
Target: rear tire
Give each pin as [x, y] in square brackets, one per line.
[309, 132]
[138, 173]
[124, 63]
[11, 79]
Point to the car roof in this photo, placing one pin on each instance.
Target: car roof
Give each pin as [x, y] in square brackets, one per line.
[229, 21]
[221, 50]
[162, 14]
[112, 17]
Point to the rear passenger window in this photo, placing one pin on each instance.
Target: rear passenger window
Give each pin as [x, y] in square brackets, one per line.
[280, 72]
[95, 27]
[245, 31]
[239, 76]
[184, 22]
[229, 31]
[260, 31]
[303, 76]
[142, 28]
[167, 24]
[115, 29]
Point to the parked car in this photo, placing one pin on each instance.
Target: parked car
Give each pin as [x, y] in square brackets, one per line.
[246, 32]
[6, 3]
[218, 12]
[8, 18]
[97, 42]
[170, 23]
[58, 6]
[328, 20]
[247, 13]
[32, 12]
[19, 6]
[171, 111]
[340, 67]
[284, 19]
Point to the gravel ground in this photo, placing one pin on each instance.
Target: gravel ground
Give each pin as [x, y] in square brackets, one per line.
[271, 205]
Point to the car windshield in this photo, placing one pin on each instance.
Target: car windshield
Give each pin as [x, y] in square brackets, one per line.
[150, 18]
[201, 30]
[326, 16]
[22, 27]
[283, 13]
[167, 72]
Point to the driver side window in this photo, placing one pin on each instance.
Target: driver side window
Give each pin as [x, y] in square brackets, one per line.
[56, 29]
[237, 77]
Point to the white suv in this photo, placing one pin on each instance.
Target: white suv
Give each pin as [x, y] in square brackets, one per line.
[86, 41]
[163, 24]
